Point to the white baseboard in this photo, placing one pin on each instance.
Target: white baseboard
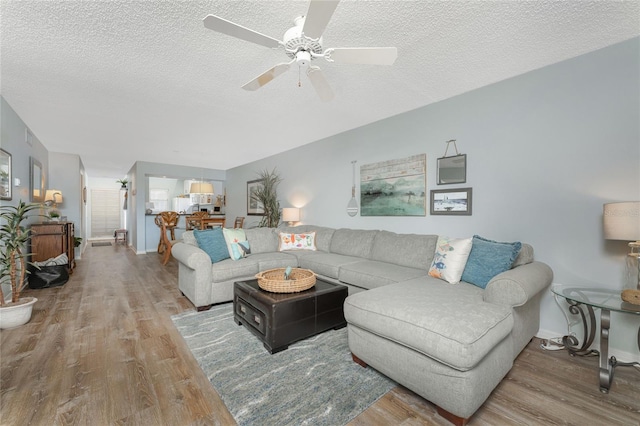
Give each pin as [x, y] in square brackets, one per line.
[621, 356]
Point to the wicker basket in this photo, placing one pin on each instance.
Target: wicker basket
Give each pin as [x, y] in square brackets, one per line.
[273, 280]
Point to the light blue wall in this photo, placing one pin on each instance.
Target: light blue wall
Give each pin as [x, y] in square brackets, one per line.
[13, 140]
[65, 174]
[545, 151]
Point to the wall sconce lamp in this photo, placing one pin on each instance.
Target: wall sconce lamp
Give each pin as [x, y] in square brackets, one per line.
[291, 215]
[53, 197]
[621, 221]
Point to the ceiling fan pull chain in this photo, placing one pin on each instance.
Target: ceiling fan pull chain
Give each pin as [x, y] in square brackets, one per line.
[299, 83]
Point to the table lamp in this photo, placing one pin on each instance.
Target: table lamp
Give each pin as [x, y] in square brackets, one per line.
[291, 215]
[622, 222]
[53, 197]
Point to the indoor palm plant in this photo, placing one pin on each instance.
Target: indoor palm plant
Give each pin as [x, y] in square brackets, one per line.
[13, 264]
[266, 194]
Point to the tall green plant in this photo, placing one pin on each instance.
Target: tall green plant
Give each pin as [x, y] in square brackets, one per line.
[14, 238]
[267, 195]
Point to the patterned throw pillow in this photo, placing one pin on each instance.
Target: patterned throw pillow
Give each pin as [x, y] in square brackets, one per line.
[450, 259]
[235, 236]
[213, 243]
[488, 258]
[240, 249]
[306, 241]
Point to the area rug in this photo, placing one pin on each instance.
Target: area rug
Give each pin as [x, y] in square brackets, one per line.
[101, 244]
[314, 382]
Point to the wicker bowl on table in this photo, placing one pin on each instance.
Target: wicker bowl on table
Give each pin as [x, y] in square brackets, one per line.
[273, 280]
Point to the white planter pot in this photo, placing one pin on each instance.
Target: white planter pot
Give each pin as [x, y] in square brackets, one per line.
[14, 316]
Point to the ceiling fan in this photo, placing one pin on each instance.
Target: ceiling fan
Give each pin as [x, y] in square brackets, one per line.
[303, 44]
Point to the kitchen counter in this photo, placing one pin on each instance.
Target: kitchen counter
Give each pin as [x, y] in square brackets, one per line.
[152, 231]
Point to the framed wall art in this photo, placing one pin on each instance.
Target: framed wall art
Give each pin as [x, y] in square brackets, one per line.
[451, 201]
[452, 169]
[5, 175]
[36, 181]
[394, 187]
[254, 207]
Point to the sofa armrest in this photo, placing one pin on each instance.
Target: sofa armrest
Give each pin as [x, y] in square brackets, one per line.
[517, 286]
[191, 256]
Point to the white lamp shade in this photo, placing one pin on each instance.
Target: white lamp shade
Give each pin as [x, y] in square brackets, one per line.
[290, 214]
[622, 221]
[54, 196]
[201, 188]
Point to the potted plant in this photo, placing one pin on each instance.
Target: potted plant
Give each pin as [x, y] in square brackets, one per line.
[123, 183]
[54, 215]
[13, 264]
[266, 194]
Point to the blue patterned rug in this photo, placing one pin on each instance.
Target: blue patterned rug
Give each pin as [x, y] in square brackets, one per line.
[314, 382]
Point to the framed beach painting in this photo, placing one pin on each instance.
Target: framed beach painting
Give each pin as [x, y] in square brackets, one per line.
[394, 187]
[451, 201]
[254, 207]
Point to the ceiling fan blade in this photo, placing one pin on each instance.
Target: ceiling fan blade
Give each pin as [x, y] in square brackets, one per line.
[267, 76]
[363, 55]
[223, 26]
[320, 84]
[318, 16]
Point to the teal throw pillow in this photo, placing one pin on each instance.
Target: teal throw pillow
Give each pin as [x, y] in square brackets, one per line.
[487, 259]
[213, 243]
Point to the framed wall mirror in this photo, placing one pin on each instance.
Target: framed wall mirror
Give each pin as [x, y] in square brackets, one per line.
[5, 175]
[36, 181]
[452, 169]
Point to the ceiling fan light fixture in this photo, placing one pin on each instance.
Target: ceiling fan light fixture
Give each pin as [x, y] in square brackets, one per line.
[303, 58]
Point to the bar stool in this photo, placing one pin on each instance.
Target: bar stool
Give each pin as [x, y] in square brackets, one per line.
[166, 221]
[120, 235]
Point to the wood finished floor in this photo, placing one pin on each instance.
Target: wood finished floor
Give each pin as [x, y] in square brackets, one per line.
[102, 350]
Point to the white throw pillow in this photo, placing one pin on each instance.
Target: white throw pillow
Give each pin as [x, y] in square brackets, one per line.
[306, 241]
[450, 258]
[235, 236]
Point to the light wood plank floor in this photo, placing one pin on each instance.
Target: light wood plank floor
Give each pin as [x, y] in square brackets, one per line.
[102, 350]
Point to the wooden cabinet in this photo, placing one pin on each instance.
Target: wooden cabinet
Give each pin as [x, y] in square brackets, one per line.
[51, 239]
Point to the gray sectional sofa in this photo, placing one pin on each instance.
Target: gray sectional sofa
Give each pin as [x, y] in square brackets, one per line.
[450, 343]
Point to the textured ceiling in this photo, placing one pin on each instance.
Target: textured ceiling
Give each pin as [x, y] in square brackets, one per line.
[121, 81]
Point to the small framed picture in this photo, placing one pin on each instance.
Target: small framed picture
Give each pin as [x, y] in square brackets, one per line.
[451, 201]
[63, 218]
[254, 207]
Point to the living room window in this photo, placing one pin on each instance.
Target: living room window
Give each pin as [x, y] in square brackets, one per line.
[105, 212]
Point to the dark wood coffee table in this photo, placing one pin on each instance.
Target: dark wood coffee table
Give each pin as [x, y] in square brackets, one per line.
[279, 319]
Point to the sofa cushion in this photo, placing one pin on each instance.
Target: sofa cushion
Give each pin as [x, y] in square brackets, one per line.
[230, 269]
[412, 250]
[327, 264]
[189, 238]
[213, 243]
[352, 242]
[450, 324]
[262, 240]
[524, 257]
[450, 258]
[487, 259]
[370, 274]
[274, 260]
